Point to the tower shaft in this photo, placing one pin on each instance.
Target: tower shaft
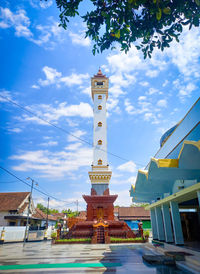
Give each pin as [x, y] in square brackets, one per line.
[100, 175]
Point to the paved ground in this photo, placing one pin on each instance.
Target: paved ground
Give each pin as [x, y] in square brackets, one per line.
[42, 257]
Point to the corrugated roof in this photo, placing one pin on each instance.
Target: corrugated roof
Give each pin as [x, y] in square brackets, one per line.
[12, 200]
[134, 212]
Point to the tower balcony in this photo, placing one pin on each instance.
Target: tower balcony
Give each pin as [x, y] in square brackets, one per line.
[100, 176]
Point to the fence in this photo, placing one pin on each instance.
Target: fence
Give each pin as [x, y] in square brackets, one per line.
[16, 234]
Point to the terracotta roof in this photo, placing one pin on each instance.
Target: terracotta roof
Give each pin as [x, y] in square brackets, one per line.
[23, 207]
[58, 215]
[82, 214]
[12, 200]
[129, 213]
[39, 214]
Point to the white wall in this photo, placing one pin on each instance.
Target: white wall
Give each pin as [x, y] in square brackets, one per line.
[3, 222]
[100, 133]
[13, 233]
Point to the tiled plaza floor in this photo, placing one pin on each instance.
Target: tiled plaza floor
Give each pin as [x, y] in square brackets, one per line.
[42, 257]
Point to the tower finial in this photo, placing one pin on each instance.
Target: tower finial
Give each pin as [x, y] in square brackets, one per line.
[99, 72]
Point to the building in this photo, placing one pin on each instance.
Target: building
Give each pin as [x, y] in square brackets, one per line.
[134, 215]
[171, 182]
[14, 209]
[50, 219]
[100, 223]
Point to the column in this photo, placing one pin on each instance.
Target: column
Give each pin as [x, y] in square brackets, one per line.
[198, 195]
[167, 223]
[153, 224]
[176, 221]
[160, 226]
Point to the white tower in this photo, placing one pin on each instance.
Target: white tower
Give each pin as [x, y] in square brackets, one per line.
[100, 175]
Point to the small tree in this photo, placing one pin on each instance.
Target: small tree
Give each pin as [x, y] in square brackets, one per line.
[148, 23]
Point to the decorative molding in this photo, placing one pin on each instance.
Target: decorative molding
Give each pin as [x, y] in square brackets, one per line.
[100, 176]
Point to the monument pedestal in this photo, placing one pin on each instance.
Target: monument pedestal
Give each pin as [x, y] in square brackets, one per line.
[101, 224]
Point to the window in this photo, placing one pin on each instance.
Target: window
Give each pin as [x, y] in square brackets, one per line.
[99, 124]
[99, 107]
[99, 162]
[99, 96]
[99, 83]
[99, 142]
[12, 223]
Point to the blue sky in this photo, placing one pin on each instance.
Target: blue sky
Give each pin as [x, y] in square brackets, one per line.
[47, 70]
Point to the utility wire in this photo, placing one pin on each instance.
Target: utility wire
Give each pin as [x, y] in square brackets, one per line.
[64, 130]
[42, 192]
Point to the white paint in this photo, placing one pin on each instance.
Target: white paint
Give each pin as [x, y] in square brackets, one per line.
[100, 133]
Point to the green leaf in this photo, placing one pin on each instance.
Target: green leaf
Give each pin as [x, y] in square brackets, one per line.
[167, 10]
[159, 14]
[197, 2]
[117, 34]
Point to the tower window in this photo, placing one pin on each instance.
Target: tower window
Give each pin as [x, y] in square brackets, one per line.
[99, 107]
[99, 142]
[99, 124]
[99, 162]
[99, 83]
[100, 97]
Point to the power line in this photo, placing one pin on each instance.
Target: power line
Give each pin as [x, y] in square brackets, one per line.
[64, 130]
[34, 187]
[11, 182]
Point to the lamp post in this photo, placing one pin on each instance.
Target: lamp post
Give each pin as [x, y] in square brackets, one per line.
[29, 205]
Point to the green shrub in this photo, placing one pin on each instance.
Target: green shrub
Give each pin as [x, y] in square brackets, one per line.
[125, 240]
[53, 235]
[75, 240]
[146, 233]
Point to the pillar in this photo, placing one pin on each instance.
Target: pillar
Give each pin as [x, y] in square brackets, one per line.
[167, 223]
[176, 221]
[153, 224]
[159, 222]
[198, 195]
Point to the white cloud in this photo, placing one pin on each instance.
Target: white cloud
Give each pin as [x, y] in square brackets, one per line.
[16, 130]
[184, 89]
[128, 167]
[162, 103]
[41, 4]
[46, 4]
[132, 180]
[144, 84]
[35, 86]
[144, 108]
[19, 21]
[79, 39]
[141, 98]
[78, 133]
[52, 75]
[152, 91]
[55, 77]
[53, 164]
[187, 90]
[43, 35]
[152, 73]
[166, 82]
[73, 146]
[185, 54]
[128, 107]
[49, 143]
[6, 94]
[123, 198]
[54, 113]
